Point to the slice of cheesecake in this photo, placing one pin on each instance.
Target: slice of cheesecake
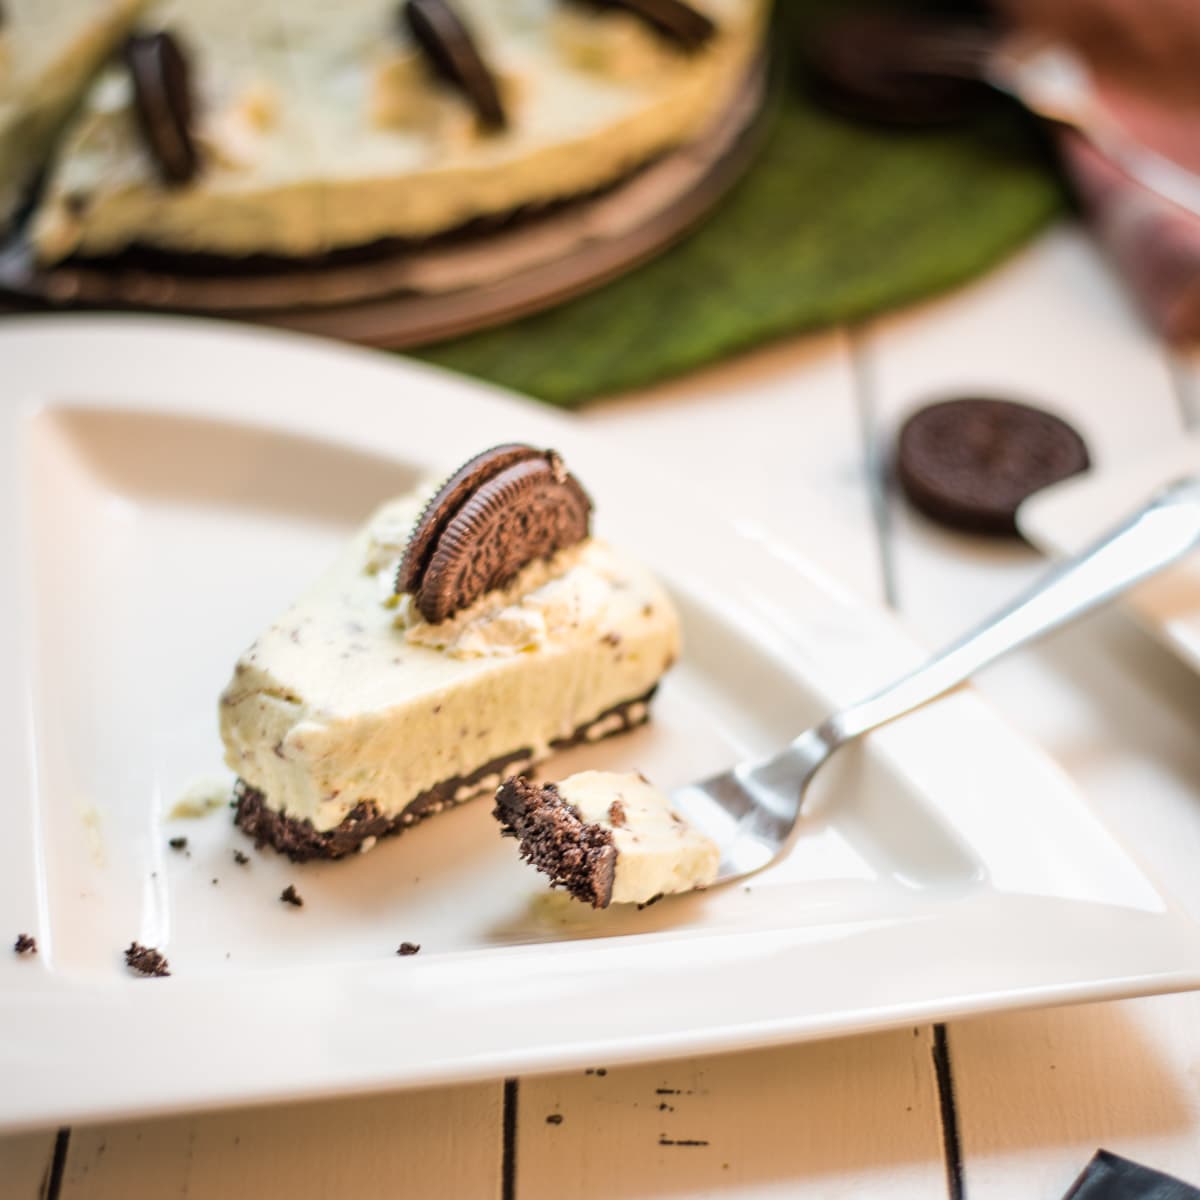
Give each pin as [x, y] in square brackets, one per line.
[356, 715]
[49, 52]
[321, 126]
[607, 838]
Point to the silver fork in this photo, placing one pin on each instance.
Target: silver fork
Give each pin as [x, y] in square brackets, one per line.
[751, 811]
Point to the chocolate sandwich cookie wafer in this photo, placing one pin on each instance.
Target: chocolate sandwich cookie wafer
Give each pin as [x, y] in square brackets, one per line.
[162, 102]
[674, 19]
[892, 69]
[451, 50]
[504, 509]
[969, 463]
[447, 501]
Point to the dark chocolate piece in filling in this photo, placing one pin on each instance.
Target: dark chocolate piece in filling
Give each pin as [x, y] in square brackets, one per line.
[682, 23]
[451, 50]
[555, 838]
[301, 842]
[162, 102]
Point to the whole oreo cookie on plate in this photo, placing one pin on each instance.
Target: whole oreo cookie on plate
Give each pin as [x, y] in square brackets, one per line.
[970, 462]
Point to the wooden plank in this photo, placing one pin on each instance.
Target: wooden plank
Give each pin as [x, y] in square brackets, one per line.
[25, 1165]
[434, 1143]
[774, 437]
[1038, 1092]
[846, 1118]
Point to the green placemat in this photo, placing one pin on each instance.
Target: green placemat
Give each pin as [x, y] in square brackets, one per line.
[833, 222]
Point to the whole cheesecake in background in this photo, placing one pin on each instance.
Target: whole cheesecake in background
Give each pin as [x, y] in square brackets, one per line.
[459, 638]
[49, 52]
[316, 127]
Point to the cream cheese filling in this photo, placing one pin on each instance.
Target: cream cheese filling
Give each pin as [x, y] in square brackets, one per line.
[346, 698]
[324, 128]
[658, 852]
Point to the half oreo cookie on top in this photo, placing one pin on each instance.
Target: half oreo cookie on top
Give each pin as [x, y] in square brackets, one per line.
[502, 510]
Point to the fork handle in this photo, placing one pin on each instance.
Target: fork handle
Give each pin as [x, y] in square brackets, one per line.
[1161, 532]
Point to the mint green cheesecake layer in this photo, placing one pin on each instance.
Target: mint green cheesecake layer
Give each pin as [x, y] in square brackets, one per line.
[834, 221]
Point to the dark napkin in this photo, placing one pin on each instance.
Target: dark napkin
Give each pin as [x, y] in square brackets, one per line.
[1110, 1177]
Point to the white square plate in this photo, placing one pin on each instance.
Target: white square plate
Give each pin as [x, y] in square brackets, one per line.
[1063, 519]
[168, 486]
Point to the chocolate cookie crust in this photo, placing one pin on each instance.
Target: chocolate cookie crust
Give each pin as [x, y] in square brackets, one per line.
[301, 842]
[555, 838]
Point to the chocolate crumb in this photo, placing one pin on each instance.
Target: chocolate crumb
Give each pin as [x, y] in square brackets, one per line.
[215, 882]
[407, 948]
[25, 944]
[178, 843]
[145, 961]
[667, 1092]
[554, 1119]
[601, 1070]
[665, 1107]
[611, 639]
[666, 1141]
[652, 900]
[616, 814]
[240, 858]
[289, 895]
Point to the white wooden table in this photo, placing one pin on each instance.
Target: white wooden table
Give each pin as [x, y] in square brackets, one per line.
[1007, 1106]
